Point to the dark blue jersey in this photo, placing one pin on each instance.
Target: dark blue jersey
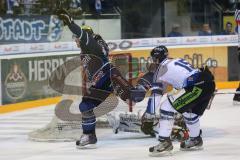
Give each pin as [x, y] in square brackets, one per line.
[94, 50]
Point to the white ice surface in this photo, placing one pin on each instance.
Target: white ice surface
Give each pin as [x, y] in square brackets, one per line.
[220, 125]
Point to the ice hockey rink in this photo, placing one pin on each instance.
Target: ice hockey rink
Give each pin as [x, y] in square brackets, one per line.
[220, 125]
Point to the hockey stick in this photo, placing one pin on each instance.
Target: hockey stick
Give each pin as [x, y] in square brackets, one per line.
[236, 92]
[218, 93]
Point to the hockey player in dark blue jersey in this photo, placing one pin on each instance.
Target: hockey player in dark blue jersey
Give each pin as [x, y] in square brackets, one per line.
[94, 58]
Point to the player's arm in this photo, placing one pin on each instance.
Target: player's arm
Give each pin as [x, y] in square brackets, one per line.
[148, 118]
[145, 84]
[86, 40]
[157, 91]
[138, 92]
[126, 91]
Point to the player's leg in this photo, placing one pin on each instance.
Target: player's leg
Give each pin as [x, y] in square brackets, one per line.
[194, 142]
[192, 121]
[178, 101]
[88, 138]
[166, 123]
[195, 109]
[89, 102]
[180, 131]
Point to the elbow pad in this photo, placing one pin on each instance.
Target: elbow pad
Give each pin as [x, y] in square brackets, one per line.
[157, 88]
[137, 94]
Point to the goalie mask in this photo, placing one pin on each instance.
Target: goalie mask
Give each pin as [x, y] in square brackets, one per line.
[159, 53]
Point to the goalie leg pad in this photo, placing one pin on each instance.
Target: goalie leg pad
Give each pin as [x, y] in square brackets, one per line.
[166, 121]
[125, 122]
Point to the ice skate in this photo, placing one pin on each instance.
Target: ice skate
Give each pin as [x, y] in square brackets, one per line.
[236, 98]
[164, 148]
[193, 143]
[87, 141]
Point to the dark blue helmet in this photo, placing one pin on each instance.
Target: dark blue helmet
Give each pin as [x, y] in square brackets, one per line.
[159, 53]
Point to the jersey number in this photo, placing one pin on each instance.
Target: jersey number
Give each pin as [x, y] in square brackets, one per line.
[184, 64]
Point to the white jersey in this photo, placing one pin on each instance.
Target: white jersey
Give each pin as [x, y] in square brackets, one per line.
[174, 72]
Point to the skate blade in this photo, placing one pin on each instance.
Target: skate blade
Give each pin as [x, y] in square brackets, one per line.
[161, 154]
[192, 149]
[88, 146]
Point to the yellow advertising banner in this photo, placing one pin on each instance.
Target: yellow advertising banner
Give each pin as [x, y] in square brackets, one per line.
[216, 57]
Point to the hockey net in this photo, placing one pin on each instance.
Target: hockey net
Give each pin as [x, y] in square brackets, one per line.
[59, 130]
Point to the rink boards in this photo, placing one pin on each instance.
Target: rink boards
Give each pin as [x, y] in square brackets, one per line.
[31, 71]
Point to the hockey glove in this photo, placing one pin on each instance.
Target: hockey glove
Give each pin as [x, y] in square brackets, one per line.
[64, 16]
[120, 85]
[146, 80]
[179, 134]
[152, 67]
[147, 124]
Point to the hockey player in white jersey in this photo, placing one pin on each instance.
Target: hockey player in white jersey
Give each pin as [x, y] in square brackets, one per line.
[193, 89]
[145, 120]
